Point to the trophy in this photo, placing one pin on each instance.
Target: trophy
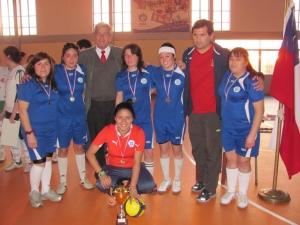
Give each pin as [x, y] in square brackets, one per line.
[120, 193]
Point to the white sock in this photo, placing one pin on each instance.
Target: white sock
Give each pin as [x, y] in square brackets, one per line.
[178, 166]
[62, 167]
[244, 180]
[165, 165]
[1, 149]
[26, 153]
[35, 175]
[150, 167]
[46, 177]
[80, 161]
[232, 175]
[16, 152]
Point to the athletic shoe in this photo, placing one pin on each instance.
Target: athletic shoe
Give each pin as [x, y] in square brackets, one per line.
[55, 158]
[163, 186]
[226, 199]
[176, 186]
[198, 187]
[111, 201]
[13, 165]
[2, 156]
[205, 196]
[86, 183]
[51, 196]
[243, 201]
[35, 199]
[27, 166]
[61, 189]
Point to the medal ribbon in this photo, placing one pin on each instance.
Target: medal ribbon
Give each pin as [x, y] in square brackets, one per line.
[226, 93]
[169, 86]
[48, 94]
[67, 76]
[134, 90]
[123, 152]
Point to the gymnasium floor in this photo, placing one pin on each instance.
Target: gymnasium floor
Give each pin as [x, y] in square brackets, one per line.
[84, 207]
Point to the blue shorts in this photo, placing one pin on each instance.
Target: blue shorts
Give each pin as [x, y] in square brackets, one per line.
[46, 143]
[146, 124]
[169, 131]
[71, 128]
[235, 140]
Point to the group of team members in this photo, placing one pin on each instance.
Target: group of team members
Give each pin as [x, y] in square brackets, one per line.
[54, 104]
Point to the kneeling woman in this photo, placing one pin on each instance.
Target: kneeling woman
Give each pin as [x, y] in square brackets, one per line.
[125, 143]
[38, 100]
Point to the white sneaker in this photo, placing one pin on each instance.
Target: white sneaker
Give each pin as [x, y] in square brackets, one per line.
[51, 196]
[2, 156]
[86, 183]
[176, 186]
[61, 189]
[13, 165]
[163, 186]
[35, 199]
[27, 166]
[227, 197]
[243, 201]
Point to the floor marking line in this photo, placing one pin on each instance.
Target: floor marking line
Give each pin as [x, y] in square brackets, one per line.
[251, 202]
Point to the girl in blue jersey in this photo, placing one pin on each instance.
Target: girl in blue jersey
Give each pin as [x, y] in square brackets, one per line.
[134, 82]
[242, 112]
[70, 78]
[169, 120]
[37, 103]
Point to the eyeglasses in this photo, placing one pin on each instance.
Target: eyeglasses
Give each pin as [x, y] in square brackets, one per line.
[102, 34]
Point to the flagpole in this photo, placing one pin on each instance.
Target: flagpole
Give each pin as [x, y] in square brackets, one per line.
[274, 195]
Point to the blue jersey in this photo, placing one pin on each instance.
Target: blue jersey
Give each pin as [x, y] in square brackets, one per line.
[41, 114]
[172, 82]
[66, 107]
[142, 106]
[237, 97]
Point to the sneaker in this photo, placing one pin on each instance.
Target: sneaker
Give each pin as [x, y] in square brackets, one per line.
[111, 201]
[205, 196]
[163, 186]
[13, 165]
[226, 199]
[55, 158]
[51, 196]
[61, 189]
[35, 199]
[27, 166]
[243, 201]
[198, 187]
[176, 187]
[86, 183]
[2, 156]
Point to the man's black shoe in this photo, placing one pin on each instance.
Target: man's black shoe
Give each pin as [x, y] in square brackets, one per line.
[205, 196]
[199, 186]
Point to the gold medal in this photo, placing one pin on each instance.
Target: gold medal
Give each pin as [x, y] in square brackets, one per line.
[134, 99]
[72, 99]
[122, 161]
[168, 100]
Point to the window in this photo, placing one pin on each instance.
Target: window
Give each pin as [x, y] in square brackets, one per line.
[101, 11]
[7, 17]
[216, 10]
[262, 53]
[27, 18]
[297, 10]
[122, 15]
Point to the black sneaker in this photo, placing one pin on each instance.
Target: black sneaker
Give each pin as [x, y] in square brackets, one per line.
[205, 196]
[199, 186]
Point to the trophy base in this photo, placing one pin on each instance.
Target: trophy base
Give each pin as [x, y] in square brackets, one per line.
[121, 221]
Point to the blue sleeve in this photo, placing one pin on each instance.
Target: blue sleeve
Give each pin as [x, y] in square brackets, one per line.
[25, 92]
[119, 82]
[153, 83]
[254, 95]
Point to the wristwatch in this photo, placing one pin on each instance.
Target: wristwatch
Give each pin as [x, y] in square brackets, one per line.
[101, 173]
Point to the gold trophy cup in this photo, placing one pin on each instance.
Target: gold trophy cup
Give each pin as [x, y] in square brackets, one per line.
[120, 193]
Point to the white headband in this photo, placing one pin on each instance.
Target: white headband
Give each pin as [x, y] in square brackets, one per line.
[166, 49]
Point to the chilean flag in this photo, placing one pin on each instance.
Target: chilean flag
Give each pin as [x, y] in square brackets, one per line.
[285, 87]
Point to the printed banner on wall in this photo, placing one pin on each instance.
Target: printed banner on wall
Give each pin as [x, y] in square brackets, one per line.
[3, 73]
[160, 16]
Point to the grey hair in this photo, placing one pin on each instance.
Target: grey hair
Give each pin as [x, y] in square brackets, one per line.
[102, 24]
